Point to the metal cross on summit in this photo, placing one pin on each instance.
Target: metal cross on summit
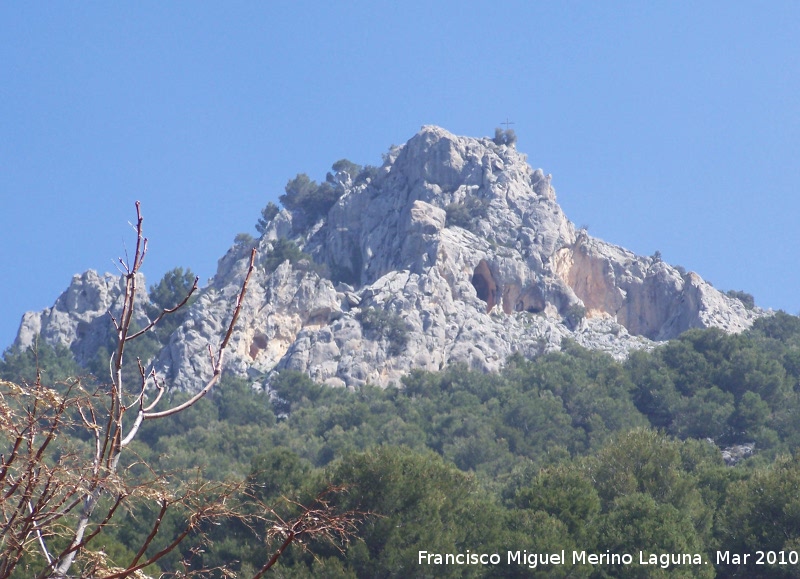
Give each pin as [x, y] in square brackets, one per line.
[507, 123]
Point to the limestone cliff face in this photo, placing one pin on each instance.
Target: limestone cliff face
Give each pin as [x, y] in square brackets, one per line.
[455, 250]
[80, 317]
[646, 296]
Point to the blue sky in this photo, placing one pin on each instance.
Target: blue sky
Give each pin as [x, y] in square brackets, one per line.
[669, 126]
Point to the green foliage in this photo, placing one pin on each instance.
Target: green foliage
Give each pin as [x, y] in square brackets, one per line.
[268, 213]
[168, 293]
[570, 450]
[780, 326]
[303, 194]
[202, 414]
[368, 174]
[293, 388]
[171, 290]
[425, 505]
[299, 191]
[240, 404]
[638, 523]
[591, 389]
[283, 250]
[644, 461]
[345, 166]
[244, 240]
[386, 325]
[643, 491]
[277, 472]
[315, 200]
[505, 137]
[480, 422]
[574, 316]
[762, 513]
[747, 299]
[55, 364]
[465, 213]
[568, 494]
[731, 388]
[457, 214]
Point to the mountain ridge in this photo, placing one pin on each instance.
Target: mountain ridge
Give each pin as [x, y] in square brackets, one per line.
[455, 250]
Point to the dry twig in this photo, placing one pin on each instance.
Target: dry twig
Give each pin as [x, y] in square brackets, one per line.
[55, 490]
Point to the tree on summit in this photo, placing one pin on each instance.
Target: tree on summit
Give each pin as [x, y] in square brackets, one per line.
[345, 166]
[313, 199]
[304, 194]
[505, 137]
[267, 215]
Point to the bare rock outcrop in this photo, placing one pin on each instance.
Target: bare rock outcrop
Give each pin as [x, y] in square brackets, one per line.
[455, 250]
[81, 316]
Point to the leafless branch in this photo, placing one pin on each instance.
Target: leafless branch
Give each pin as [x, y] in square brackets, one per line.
[320, 521]
[40, 485]
[218, 358]
[52, 487]
[165, 312]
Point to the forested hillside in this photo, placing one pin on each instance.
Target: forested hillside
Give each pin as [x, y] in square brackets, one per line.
[570, 451]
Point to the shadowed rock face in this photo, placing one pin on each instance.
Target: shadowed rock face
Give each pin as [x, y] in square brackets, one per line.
[484, 285]
[501, 280]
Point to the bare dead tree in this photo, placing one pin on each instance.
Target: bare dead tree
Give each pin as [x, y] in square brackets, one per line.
[58, 493]
[319, 521]
[54, 492]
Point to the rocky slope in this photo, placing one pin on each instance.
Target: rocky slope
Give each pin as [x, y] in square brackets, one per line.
[455, 250]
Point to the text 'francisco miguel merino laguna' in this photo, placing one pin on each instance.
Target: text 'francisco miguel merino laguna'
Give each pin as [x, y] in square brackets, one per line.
[534, 560]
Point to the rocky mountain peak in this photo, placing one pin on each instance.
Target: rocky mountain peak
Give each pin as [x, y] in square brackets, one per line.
[455, 250]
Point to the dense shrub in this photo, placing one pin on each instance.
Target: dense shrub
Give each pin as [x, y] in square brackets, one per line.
[344, 166]
[386, 325]
[244, 240]
[285, 249]
[267, 215]
[53, 363]
[505, 137]
[574, 316]
[304, 195]
[465, 213]
[168, 293]
[312, 199]
[747, 299]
